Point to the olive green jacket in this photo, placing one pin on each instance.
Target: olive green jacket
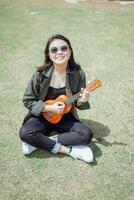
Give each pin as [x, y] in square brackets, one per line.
[37, 88]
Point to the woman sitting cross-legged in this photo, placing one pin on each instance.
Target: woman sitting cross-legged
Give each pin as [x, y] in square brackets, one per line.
[59, 75]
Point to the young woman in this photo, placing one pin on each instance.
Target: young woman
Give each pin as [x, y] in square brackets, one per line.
[59, 75]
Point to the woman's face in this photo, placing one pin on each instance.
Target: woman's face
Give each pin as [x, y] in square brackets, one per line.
[59, 52]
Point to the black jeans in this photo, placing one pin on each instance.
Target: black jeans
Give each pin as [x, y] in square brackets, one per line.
[71, 132]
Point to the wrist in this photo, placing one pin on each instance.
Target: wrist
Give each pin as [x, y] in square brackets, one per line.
[47, 108]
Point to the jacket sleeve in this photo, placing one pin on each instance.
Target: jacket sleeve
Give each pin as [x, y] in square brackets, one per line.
[31, 96]
[82, 84]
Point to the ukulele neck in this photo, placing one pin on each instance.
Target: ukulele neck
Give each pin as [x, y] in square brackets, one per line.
[72, 99]
[89, 88]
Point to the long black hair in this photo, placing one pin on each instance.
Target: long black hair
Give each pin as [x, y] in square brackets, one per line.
[48, 62]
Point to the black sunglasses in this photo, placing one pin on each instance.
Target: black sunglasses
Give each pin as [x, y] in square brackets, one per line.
[63, 48]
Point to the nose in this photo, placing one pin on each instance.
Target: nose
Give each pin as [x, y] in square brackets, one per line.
[59, 51]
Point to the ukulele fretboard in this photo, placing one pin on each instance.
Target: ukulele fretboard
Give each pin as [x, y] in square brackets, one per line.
[72, 99]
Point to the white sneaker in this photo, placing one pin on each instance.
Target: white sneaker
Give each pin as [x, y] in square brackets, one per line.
[27, 148]
[82, 152]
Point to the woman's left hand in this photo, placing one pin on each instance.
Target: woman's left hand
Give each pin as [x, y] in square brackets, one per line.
[84, 96]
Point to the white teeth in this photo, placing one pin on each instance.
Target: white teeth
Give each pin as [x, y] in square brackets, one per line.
[60, 57]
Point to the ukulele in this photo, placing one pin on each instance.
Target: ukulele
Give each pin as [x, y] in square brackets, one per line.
[53, 117]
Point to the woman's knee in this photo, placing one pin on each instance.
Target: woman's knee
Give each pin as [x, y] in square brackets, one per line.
[88, 134]
[23, 134]
[28, 129]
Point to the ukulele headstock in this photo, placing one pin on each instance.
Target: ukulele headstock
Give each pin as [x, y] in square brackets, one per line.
[96, 83]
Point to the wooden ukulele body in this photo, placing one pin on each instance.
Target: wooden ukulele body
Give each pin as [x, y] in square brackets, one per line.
[52, 116]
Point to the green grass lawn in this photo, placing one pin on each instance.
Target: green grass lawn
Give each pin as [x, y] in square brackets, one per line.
[103, 43]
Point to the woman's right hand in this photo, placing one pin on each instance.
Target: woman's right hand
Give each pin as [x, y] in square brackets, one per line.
[57, 107]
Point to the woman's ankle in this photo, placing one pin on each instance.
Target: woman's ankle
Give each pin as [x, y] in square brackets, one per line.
[65, 150]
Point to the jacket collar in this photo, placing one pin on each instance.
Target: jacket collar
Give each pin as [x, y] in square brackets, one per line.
[48, 71]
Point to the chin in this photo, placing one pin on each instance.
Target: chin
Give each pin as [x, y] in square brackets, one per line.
[61, 62]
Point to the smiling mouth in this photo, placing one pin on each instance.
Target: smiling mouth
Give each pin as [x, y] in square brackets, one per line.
[61, 57]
